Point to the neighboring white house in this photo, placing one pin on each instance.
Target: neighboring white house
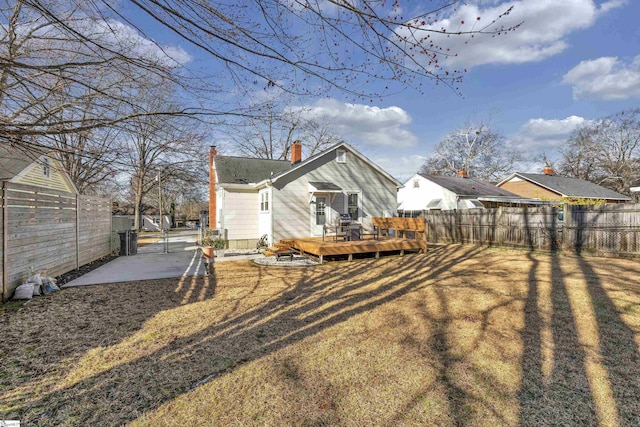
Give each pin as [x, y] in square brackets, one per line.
[434, 192]
[289, 199]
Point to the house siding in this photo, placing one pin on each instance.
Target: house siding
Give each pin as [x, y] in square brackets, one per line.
[528, 189]
[417, 199]
[264, 218]
[239, 214]
[33, 175]
[291, 196]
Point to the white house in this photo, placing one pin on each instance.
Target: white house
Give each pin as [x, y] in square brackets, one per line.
[292, 199]
[434, 192]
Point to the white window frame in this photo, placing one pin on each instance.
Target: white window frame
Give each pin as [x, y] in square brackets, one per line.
[264, 201]
[416, 183]
[346, 202]
[341, 156]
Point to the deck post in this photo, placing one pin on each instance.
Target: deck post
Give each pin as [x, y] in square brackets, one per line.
[377, 254]
[350, 257]
[401, 252]
[321, 256]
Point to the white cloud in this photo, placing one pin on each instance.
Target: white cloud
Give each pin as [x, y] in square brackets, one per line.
[362, 123]
[605, 78]
[545, 25]
[540, 135]
[121, 37]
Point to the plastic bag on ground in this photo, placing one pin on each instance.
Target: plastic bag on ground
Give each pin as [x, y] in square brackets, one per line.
[24, 292]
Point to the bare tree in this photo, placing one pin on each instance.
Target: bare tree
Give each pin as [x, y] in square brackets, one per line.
[159, 148]
[57, 61]
[306, 46]
[606, 152]
[477, 148]
[270, 135]
[300, 47]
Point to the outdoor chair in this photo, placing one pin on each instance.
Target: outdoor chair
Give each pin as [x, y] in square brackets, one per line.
[366, 231]
[335, 231]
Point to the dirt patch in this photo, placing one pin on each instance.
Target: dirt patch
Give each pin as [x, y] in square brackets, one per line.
[74, 274]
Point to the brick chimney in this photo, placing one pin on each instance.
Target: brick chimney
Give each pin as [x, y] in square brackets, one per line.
[296, 152]
[462, 173]
[212, 187]
[548, 170]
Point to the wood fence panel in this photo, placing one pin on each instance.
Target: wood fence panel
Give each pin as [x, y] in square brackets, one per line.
[50, 231]
[3, 245]
[519, 227]
[613, 229]
[40, 223]
[94, 220]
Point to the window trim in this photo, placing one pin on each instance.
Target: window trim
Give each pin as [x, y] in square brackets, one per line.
[341, 156]
[358, 194]
[264, 202]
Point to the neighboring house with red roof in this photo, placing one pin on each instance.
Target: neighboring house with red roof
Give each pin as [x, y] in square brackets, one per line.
[296, 198]
[436, 192]
[556, 188]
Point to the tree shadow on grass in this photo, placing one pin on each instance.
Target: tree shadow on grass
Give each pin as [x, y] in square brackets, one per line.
[618, 347]
[573, 389]
[115, 385]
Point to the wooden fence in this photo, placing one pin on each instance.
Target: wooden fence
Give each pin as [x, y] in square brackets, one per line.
[603, 229]
[51, 231]
[612, 229]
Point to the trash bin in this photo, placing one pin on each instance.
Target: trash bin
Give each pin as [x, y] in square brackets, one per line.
[128, 242]
[133, 242]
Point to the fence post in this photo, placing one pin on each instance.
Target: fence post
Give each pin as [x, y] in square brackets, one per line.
[566, 226]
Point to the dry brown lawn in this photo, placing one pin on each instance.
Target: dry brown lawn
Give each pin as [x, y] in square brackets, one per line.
[462, 336]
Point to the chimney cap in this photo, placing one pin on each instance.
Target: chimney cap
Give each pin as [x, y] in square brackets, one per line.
[548, 170]
[463, 173]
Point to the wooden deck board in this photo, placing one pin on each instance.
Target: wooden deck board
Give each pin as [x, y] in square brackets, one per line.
[316, 246]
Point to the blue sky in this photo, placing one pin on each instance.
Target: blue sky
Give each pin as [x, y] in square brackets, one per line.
[570, 61]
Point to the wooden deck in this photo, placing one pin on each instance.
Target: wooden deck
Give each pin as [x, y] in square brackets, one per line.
[321, 248]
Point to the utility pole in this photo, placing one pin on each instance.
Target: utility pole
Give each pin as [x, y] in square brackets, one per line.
[158, 178]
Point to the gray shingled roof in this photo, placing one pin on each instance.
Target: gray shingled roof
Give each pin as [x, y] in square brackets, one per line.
[468, 186]
[14, 160]
[572, 187]
[244, 170]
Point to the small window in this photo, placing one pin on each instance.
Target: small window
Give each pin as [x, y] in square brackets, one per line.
[264, 201]
[321, 210]
[341, 156]
[416, 183]
[46, 167]
[352, 207]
